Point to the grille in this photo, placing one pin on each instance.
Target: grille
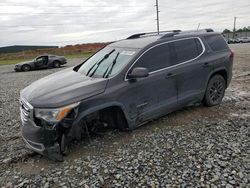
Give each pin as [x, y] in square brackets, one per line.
[26, 110]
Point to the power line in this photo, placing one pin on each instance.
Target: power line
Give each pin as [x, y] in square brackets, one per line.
[71, 6]
[51, 25]
[73, 13]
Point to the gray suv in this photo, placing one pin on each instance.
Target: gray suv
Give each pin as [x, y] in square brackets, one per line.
[125, 85]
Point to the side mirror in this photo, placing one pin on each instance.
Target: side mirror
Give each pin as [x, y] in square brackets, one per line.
[138, 72]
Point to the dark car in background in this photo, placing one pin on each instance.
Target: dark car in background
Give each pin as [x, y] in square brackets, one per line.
[232, 41]
[41, 62]
[125, 85]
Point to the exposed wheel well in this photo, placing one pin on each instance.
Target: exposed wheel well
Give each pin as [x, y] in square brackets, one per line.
[113, 116]
[56, 62]
[223, 73]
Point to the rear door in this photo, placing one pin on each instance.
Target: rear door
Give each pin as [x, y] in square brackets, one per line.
[191, 69]
[219, 53]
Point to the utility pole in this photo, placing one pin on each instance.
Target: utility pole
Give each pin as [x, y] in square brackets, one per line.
[234, 29]
[198, 26]
[157, 16]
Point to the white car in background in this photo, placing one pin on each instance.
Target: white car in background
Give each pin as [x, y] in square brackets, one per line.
[244, 39]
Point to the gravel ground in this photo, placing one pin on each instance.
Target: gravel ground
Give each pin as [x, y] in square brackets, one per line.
[193, 147]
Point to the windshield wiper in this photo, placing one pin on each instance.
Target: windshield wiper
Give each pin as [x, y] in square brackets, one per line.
[108, 71]
[98, 63]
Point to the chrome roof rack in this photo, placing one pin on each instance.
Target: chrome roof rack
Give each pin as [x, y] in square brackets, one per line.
[169, 33]
[139, 35]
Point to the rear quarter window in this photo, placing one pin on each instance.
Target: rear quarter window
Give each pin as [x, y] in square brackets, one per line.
[186, 50]
[216, 43]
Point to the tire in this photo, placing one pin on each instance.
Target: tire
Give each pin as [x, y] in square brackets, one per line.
[215, 91]
[64, 145]
[26, 68]
[56, 64]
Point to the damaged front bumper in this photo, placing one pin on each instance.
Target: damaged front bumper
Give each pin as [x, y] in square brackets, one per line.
[41, 140]
[38, 138]
[17, 68]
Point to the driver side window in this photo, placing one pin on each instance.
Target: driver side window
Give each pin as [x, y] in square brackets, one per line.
[158, 57]
[40, 61]
[40, 58]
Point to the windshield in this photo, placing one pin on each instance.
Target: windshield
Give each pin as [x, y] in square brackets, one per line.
[107, 62]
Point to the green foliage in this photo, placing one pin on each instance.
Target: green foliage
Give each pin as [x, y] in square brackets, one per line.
[226, 31]
[244, 29]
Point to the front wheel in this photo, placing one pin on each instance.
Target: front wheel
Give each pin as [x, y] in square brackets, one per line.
[56, 64]
[26, 68]
[215, 91]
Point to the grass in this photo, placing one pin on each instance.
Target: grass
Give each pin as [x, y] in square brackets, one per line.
[15, 61]
[12, 61]
[84, 55]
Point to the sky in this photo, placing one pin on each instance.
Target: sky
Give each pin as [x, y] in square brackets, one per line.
[64, 22]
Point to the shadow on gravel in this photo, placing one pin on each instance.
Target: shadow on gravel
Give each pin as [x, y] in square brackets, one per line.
[111, 140]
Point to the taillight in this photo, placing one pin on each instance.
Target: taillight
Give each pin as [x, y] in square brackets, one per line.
[231, 54]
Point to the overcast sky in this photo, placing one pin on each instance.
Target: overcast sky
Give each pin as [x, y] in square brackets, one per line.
[62, 22]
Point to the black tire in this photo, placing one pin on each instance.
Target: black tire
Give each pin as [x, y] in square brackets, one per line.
[215, 91]
[56, 64]
[26, 68]
[64, 145]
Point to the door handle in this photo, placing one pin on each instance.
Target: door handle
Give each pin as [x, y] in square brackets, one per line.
[169, 75]
[205, 65]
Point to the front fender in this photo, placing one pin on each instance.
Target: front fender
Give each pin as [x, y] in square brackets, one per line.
[74, 130]
[88, 111]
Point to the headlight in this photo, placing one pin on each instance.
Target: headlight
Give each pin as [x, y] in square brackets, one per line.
[54, 115]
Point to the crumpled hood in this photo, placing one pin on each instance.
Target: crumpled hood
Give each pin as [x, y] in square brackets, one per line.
[62, 88]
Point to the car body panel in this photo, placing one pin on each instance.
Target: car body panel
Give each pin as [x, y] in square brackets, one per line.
[62, 88]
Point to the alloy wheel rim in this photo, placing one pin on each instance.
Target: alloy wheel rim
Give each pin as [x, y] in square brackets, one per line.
[216, 91]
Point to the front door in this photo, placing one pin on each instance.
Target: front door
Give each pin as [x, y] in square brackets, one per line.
[155, 95]
[41, 62]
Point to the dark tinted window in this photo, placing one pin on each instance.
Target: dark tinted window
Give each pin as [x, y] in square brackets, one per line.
[186, 50]
[216, 42]
[156, 58]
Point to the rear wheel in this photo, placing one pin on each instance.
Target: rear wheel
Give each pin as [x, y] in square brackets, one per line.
[26, 68]
[215, 90]
[56, 64]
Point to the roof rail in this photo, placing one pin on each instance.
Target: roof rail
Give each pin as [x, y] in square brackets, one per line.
[169, 33]
[186, 32]
[198, 31]
[138, 35]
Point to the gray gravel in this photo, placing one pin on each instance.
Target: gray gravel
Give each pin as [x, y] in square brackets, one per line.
[193, 147]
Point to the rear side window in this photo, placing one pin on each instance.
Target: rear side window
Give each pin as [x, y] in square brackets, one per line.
[156, 58]
[216, 42]
[186, 50]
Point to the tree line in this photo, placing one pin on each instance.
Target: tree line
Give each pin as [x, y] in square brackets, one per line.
[244, 29]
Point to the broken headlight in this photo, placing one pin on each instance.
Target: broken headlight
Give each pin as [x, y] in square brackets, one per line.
[53, 116]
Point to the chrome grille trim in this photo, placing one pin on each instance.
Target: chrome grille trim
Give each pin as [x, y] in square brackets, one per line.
[26, 110]
[32, 145]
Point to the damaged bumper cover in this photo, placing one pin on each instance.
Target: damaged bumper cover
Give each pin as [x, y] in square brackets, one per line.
[39, 135]
[41, 140]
